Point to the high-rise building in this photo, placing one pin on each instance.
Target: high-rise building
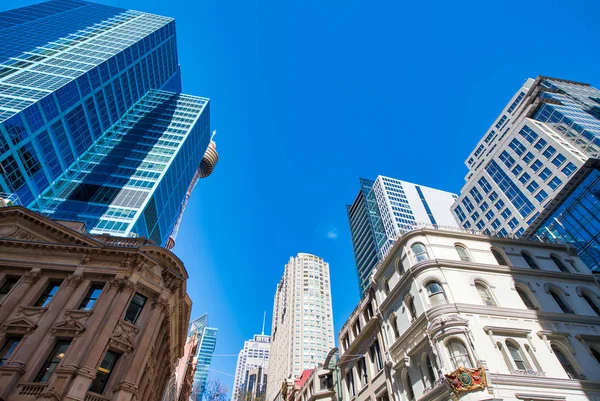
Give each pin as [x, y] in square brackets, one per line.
[207, 341]
[251, 369]
[386, 208]
[302, 326]
[92, 127]
[544, 134]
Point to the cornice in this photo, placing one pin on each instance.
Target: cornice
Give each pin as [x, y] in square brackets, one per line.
[416, 325]
[370, 327]
[544, 382]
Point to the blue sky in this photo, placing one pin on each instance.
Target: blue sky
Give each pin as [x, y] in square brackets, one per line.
[309, 96]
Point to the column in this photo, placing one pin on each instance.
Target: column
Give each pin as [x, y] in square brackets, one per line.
[31, 344]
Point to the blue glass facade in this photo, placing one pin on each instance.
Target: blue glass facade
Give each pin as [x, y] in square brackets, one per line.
[88, 130]
[207, 341]
[576, 220]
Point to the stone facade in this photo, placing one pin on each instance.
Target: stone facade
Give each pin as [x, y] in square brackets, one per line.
[461, 315]
[86, 317]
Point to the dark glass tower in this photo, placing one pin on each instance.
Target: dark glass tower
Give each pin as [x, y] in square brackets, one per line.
[92, 125]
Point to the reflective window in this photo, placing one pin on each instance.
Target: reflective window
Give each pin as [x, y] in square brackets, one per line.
[499, 257]
[559, 263]
[591, 303]
[560, 302]
[8, 348]
[525, 298]
[135, 308]
[565, 362]
[56, 355]
[48, 294]
[420, 252]
[458, 354]
[104, 371]
[91, 297]
[484, 294]
[530, 261]
[8, 285]
[462, 253]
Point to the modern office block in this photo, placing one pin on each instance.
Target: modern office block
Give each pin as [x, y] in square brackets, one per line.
[91, 125]
[573, 216]
[207, 341]
[386, 208]
[302, 326]
[545, 133]
[251, 370]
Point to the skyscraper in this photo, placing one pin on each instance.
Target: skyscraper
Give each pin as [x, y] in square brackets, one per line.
[251, 369]
[386, 208]
[207, 341]
[92, 127]
[302, 326]
[545, 133]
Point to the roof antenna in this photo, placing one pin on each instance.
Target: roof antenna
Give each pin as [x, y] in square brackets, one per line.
[264, 317]
[213, 134]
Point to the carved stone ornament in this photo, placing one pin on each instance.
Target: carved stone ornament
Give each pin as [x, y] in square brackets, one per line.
[446, 324]
[48, 395]
[31, 277]
[19, 326]
[73, 280]
[73, 324]
[465, 379]
[121, 284]
[18, 233]
[123, 336]
[162, 303]
[34, 312]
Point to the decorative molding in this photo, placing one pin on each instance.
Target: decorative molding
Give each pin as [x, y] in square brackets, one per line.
[18, 326]
[510, 331]
[464, 380]
[161, 303]
[31, 277]
[123, 335]
[31, 311]
[537, 397]
[121, 284]
[73, 280]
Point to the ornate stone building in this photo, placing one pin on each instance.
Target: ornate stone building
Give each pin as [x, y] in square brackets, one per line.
[86, 317]
[453, 314]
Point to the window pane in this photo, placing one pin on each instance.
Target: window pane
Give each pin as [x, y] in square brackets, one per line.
[135, 308]
[58, 352]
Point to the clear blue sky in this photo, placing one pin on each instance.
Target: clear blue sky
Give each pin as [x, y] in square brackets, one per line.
[307, 96]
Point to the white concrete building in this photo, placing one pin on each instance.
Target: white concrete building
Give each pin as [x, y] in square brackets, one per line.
[254, 357]
[544, 134]
[508, 319]
[302, 327]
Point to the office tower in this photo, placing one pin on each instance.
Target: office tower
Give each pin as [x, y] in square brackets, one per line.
[84, 316]
[251, 370]
[386, 208]
[207, 341]
[92, 127]
[457, 315]
[302, 326]
[542, 137]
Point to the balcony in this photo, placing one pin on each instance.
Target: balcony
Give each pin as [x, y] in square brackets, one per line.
[32, 389]
[527, 372]
[89, 396]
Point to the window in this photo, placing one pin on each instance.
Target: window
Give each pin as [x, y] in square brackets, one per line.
[386, 286]
[485, 185]
[362, 371]
[545, 174]
[495, 224]
[506, 213]
[135, 308]
[515, 354]
[48, 294]
[517, 147]
[410, 306]
[549, 152]
[595, 354]
[532, 187]
[350, 384]
[484, 294]
[9, 347]
[499, 205]
[462, 253]
[530, 261]
[528, 157]
[489, 215]
[559, 263]
[57, 354]
[524, 178]
[560, 302]
[103, 373]
[536, 165]
[569, 169]
[430, 369]
[407, 384]
[467, 204]
[435, 293]
[375, 352]
[499, 256]
[555, 183]
[476, 195]
[483, 207]
[540, 144]
[558, 160]
[458, 354]
[564, 361]
[493, 196]
[507, 159]
[517, 170]
[541, 196]
[528, 133]
[91, 297]
[420, 252]
[394, 324]
[591, 303]
[9, 283]
[525, 298]
[513, 223]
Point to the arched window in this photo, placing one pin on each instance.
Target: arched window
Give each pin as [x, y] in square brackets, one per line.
[429, 369]
[559, 263]
[407, 384]
[591, 303]
[564, 361]
[410, 306]
[463, 254]
[458, 354]
[560, 301]
[435, 293]
[595, 354]
[399, 267]
[532, 358]
[484, 294]
[386, 286]
[530, 260]
[499, 257]
[516, 355]
[394, 323]
[420, 252]
[525, 298]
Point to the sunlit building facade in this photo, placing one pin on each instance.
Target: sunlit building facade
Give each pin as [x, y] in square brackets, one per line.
[386, 208]
[92, 127]
[207, 341]
[251, 370]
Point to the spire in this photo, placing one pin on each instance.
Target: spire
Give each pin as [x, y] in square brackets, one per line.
[264, 317]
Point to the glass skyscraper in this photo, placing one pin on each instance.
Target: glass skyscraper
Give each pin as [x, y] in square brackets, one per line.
[386, 208]
[92, 125]
[207, 341]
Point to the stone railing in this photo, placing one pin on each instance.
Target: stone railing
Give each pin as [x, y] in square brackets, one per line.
[33, 389]
[124, 242]
[434, 385]
[89, 396]
[527, 372]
